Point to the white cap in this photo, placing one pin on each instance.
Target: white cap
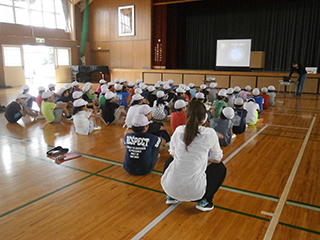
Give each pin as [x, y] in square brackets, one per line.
[271, 88]
[187, 88]
[170, 81]
[123, 80]
[101, 81]
[213, 85]
[61, 90]
[139, 80]
[180, 90]
[41, 88]
[222, 93]
[75, 83]
[228, 112]
[25, 87]
[116, 81]
[179, 104]
[230, 90]
[203, 86]
[264, 90]
[110, 83]
[256, 91]
[191, 85]
[237, 89]
[46, 94]
[199, 95]
[86, 88]
[140, 120]
[136, 97]
[104, 89]
[138, 91]
[209, 79]
[51, 85]
[68, 86]
[143, 85]
[151, 88]
[77, 94]
[157, 85]
[238, 101]
[183, 86]
[160, 94]
[144, 109]
[20, 95]
[79, 102]
[166, 86]
[109, 95]
[118, 87]
[248, 88]
[131, 84]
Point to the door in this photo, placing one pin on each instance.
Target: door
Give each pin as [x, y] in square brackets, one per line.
[13, 65]
[62, 64]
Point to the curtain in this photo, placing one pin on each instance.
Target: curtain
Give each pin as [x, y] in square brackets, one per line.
[286, 31]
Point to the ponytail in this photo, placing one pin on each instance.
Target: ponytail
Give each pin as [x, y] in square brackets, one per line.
[195, 114]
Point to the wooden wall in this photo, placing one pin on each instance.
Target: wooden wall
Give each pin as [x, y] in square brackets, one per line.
[106, 47]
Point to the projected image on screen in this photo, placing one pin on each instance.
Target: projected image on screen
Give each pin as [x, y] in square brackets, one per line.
[233, 53]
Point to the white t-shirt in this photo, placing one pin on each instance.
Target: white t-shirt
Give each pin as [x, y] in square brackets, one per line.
[251, 108]
[132, 111]
[185, 177]
[81, 122]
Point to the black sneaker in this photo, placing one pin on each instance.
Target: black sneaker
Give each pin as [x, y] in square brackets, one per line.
[204, 205]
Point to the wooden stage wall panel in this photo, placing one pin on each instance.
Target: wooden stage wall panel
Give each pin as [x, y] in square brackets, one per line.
[243, 81]
[224, 79]
[177, 78]
[197, 79]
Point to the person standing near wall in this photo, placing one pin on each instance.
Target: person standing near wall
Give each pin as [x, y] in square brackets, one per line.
[301, 70]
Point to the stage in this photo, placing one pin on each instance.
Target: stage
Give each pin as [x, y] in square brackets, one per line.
[225, 79]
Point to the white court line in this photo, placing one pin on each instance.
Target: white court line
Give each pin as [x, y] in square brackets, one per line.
[155, 222]
[284, 196]
[284, 126]
[243, 145]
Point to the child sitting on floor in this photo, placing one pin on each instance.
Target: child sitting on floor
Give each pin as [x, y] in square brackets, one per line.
[142, 147]
[266, 98]
[223, 125]
[83, 119]
[239, 119]
[272, 94]
[252, 108]
[180, 116]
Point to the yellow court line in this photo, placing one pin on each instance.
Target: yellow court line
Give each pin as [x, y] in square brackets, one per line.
[284, 196]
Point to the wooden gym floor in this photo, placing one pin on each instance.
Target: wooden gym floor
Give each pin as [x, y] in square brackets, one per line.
[272, 188]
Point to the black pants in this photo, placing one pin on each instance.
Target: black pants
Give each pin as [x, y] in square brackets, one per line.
[216, 173]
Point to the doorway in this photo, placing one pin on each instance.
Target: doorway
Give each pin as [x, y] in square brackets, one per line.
[39, 69]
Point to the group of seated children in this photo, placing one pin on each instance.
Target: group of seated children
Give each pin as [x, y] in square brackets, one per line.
[229, 111]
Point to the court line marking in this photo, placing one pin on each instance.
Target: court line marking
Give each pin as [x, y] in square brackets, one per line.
[243, 145]
[155, 222]
[313, 207]
[284, 126]
[284, 196]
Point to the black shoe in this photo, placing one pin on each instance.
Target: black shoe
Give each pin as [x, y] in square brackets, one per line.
[57, 150]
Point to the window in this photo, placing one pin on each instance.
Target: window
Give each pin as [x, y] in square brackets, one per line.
[12, 56]
[63, 57]
[38, 13]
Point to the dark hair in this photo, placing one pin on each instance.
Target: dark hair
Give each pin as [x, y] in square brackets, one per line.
[188, 94]
[160, 101]
[237, 106]
[137, 129]
[195, 113]
[220, 97]
[294, 62]
[135, 102]
[77, 109]
[222, 116]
